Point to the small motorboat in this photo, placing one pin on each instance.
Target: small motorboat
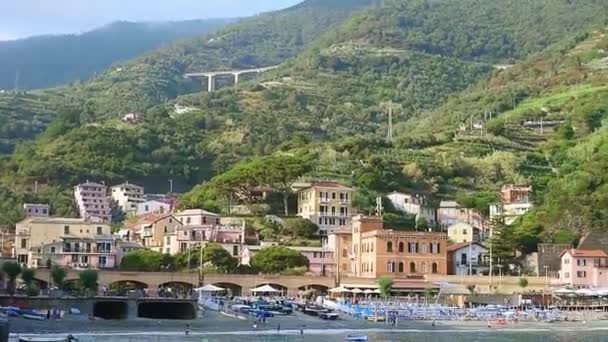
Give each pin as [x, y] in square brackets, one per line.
[68, 338]
[34, 316]
[356, 338]
[331, 316]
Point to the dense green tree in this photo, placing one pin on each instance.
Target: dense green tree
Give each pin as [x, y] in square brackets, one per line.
[385, 285]
[145, 260]
[88, 279]
[213, 254]
[27, 275]
[12, 270]
[58, 275]
[277, 259]
[300, 228]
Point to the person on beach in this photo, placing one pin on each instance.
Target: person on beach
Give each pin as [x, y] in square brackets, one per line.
[187, 329]
[279, 327]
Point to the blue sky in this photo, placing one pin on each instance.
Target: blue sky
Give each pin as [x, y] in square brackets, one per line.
[22, 18]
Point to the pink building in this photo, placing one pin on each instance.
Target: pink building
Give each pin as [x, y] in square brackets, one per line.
[584, 268]
[82, 253]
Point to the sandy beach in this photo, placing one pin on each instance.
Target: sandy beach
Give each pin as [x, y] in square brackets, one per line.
[214, 323]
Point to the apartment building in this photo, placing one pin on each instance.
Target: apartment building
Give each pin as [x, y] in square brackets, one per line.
[327, 204]
[93, 201]
[378, 251]
[127, 197]
[463, 232]
[468, 258]
[65, 242]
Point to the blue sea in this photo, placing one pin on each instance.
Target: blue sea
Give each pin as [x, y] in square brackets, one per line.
[510, 335]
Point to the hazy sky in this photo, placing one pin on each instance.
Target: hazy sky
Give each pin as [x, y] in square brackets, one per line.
[22, 18]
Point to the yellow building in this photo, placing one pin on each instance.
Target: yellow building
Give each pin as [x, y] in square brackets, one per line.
[463, 232]
[327, 204]
[34, 235]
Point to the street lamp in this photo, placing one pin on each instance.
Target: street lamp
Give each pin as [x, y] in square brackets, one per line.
[499, 276]
[546, 283]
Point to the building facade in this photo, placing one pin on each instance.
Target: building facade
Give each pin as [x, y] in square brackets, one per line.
[158, 232]
[378, 251]
[584, 268]
[198, 217]
[93, 201]
[35, 209]
[153, 207]
[450, 213]
[414, 204]
[463, 232]
[327, 204]
[515, 201]
[65, 242]
[468, 258]
[127, 197]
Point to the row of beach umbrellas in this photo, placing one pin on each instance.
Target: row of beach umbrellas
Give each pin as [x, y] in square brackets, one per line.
[342, 289]
[600, 292]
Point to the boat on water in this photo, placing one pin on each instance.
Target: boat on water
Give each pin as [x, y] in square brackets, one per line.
[331, 316]
[356, 338]
[68, 338]
[314, 310]
[34, 316]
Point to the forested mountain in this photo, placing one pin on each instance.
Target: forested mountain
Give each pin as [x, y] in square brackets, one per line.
[45, 61]
[142, 83]
[441, 76]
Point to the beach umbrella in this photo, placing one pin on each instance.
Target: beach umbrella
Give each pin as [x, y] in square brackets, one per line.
[265, 289]
[357, 291]
[338, 289]
[210, 288]
[377, 291]
[563, 292]
[585, 293]
[368, 291]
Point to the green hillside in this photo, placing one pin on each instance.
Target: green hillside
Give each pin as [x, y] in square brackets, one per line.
[329, 106]
[46, 61]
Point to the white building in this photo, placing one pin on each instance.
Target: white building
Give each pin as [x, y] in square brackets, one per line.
[36, 210]
[509, 212]
[127, 197]
[467, 258]
[152, 207]
[93, 201]
[413, 204]
[197, 217]
[463, 232]
[450, 213]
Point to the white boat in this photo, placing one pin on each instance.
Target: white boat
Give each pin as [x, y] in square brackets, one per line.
[36, 317]
[46, 339]
[356, 338]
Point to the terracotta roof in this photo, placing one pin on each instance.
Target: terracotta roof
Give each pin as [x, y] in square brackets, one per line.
[334, 185]
[149, 219]
[585, 253]
[460, 245]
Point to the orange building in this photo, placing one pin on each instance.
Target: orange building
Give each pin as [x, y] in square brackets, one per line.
[378, 251]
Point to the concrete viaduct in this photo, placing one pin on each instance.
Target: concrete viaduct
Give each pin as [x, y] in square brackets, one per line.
[237, 283]
[210, 76]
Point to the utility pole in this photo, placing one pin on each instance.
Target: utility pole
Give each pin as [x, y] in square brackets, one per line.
[170, 186]
[541, 126]
[389, 137]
